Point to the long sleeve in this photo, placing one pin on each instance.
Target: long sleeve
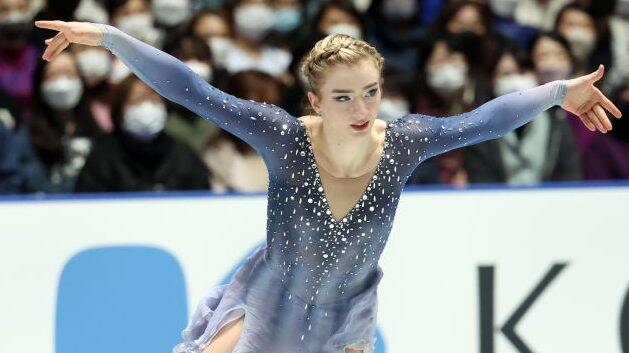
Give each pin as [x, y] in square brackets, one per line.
[421, 137]
[258, 124]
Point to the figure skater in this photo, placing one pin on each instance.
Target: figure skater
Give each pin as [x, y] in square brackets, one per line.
[335, 179]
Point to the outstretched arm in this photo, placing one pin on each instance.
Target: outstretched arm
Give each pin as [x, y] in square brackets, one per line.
[255, 123]
[429, 136]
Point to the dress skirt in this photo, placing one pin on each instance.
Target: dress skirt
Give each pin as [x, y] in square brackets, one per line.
[279, 321]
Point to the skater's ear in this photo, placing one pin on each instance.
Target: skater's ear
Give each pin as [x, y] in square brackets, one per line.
[315, 101]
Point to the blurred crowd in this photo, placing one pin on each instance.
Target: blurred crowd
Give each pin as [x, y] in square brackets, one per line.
[84, 123]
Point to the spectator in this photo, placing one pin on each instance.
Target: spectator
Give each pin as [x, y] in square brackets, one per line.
[139, 155]
[214, 27]
[540, 14]
[133, 17]
[475, 23]
[445, 88]
[95, 66]
[62, 126]
[288, 26]
[551, 56]
[540, 151]
[253, 21]
[235, 166]
[18, 58]
[182, 124]
[579, 28]
[394, 27]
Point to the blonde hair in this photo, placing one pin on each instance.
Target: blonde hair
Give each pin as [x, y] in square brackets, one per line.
[333, 50]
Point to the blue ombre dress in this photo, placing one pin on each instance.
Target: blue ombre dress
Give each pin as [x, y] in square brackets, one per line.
[312, 286]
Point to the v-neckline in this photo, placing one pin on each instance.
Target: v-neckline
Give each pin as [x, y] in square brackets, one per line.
[319, 184]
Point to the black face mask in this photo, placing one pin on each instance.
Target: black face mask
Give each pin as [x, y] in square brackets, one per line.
[13, 35]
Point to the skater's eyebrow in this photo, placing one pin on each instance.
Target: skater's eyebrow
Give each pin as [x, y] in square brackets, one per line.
[350, 91]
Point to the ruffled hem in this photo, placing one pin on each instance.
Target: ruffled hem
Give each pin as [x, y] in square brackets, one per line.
[226, 303]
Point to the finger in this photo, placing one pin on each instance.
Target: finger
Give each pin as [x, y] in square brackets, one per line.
[60, 48]
[54, 25]
[602, 116]
[54, 43]
[587, 123]
[596, 75]
[607, 104]
[585, 107]
[592, 117]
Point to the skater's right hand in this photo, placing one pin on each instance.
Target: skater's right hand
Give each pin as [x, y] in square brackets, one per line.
[69, 32]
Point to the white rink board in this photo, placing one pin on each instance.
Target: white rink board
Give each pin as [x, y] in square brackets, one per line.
[428, 297]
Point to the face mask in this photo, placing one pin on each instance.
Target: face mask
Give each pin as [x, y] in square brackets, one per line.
[14, 28]
[399, 9]
[287, 19]
[582, 41]
[447, 78]
[551, 70]
[514, 83]
[503, 8]
[136, 25]
[254, 21]
[144, 120]
[62, 93]
[91, 11]
[345, 28]
[361, 5]
[119, 71]
[202, 69]
[170, 12]
[220, 47]
[94, 63]
[391, 109]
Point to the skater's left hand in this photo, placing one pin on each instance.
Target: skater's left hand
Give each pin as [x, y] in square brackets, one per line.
[587, 102]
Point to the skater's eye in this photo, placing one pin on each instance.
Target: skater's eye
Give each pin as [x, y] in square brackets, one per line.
[372, 92]
[341, 98]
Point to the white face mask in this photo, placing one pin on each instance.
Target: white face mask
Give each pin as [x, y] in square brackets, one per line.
[287, 19]
[514, 83]
[200, 68]
[361, 5]
[119, 71]
[94, 63]
[393, 108]
[144, 120]
[171, 12]
[220, 47]
[62, 93]
[399, 9]
[582, 41]
[503, 8]
[136, 25]
[551, 70]
[91, 11]
[15, 17]
[447, 78]
[345, 28]
[254, 21]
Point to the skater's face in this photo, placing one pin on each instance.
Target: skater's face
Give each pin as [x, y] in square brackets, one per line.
[349, 95]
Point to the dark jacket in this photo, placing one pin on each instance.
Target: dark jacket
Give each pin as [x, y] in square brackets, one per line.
[484, 164]
[118, 162]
